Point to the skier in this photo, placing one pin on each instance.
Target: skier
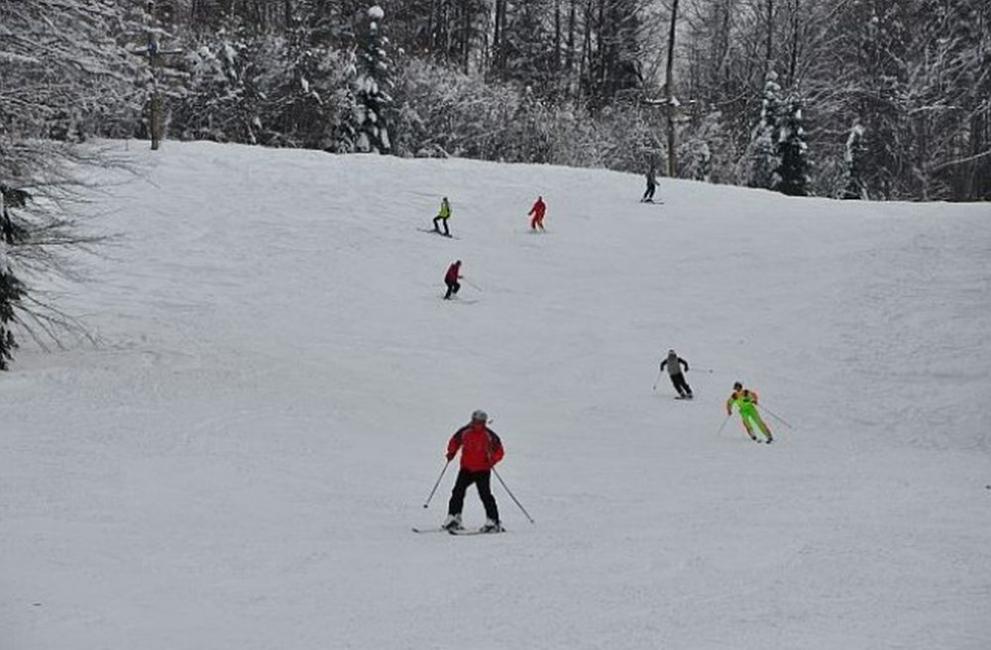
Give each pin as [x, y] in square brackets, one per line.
[674, 364]
[746, 402]
[648, 196]
[537, 211]
[480, 449]
[451, 279]
[443, 216]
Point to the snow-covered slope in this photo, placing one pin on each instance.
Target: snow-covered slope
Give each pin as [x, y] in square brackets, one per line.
[238, 464]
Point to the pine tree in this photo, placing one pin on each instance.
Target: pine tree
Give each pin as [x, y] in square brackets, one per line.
[220, 103]
[11, 291]
[854, 160]
[762, 155]
[792, 171]
[523, 53]
[373, 88]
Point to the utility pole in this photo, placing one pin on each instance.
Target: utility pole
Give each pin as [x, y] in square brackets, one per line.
[156, 119]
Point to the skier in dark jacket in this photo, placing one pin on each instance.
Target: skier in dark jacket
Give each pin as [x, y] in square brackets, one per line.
[451, 279]
[674, 364]
[648, 195]
[480, 449]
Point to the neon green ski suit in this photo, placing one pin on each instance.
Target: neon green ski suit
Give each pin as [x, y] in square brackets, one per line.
[746, 402]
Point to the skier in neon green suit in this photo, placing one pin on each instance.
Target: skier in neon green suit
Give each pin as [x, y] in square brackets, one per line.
[746, 402]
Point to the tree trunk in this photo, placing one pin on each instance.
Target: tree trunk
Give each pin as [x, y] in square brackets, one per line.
[585, 62]
[769, 46]
[793, 55]
[601, 45]
[570, 57]
[669, 84]
[498, 38]
[466, 35]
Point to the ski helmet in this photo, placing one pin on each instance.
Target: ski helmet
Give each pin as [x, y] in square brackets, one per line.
[479, 416]
[737, 386]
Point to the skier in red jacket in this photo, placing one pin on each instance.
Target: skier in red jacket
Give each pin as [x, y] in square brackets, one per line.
[451, 279]
[480, 449]
[538, 210]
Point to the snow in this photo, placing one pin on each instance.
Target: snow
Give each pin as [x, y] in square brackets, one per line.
[238, 463]
[376, 13]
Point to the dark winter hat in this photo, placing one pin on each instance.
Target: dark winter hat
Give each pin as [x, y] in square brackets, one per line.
[738, 386]
[479, 416]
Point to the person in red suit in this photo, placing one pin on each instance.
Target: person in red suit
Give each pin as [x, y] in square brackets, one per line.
[537, 211]
[451, 279]
[480, 449]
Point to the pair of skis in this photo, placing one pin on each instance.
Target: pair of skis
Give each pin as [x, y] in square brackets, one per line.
[437, 232]
[458, 532]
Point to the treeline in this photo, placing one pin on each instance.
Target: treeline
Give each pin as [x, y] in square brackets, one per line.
[879, 99]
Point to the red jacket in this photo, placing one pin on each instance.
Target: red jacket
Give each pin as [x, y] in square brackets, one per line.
[452, 273]
[538, 209]
[480, 447]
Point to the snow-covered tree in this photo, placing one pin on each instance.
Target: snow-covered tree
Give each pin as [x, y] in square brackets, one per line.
[793, 169]
[221, 102]
[11, 292]
[704, 153]
[373, 87]
[58, 58]
[853, 164]
[523, 54]
[762, 157]
[309, 102]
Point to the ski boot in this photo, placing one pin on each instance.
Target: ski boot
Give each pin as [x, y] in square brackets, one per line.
[491, 527]
[453, 522]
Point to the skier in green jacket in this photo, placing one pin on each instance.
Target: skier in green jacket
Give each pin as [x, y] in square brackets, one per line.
[443, 216]
[746, 402]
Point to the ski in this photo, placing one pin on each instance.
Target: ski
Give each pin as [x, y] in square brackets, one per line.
[421, 531]
[436, 232]
[465, 531]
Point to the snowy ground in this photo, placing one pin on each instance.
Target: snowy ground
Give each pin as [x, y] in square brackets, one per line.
[238, 464]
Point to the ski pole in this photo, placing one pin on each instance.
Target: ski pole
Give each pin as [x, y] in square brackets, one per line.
[471, 284]
[657, 380]
[723, 426]
[776, 417]
[427, 502]
[515, 500]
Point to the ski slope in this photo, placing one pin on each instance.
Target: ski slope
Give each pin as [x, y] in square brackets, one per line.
[238, 463]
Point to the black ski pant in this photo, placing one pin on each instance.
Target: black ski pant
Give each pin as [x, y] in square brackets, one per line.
[452, 288]
[443, 221]
[481, 481]
[649, 194]
[680, 384]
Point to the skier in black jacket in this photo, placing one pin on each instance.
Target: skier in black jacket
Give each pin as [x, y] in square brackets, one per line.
[674, 364]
